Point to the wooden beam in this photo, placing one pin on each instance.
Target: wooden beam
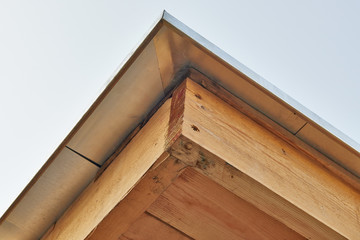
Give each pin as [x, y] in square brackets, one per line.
[116, 181]
[274, 127]
[203, 209]
[212, 124]
[196, 128]
[252, 191]
[133, 206]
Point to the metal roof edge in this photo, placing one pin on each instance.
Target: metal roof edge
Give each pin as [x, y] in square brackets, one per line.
[208, 46]
[142, 41]
[106, 87]
[260, 80]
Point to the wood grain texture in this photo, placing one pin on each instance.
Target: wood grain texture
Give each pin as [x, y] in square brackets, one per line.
[253, 192]
[127, 211]
[176, 114]
[115, 183]
[148, 227]
[203, 209]
[186, 51]
[278, 130]
[270, 160]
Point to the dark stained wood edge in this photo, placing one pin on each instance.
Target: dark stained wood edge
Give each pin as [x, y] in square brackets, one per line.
[155, 180]
[132, 134]
[176, 114]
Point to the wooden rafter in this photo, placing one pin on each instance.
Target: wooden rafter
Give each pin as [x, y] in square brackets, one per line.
[228, 134]
[197, 136]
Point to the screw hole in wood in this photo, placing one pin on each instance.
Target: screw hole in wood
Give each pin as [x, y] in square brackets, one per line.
[195, 128]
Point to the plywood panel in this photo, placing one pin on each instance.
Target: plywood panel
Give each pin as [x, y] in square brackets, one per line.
[204, 210]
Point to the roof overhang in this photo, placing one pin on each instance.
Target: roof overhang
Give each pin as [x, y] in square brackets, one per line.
[168, 54]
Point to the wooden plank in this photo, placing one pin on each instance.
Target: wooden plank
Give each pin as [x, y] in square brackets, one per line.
[253, 192]
[127, 211]
[148, 227]
[203, 209]
[222, 130]
[117, 180]
[278, 130]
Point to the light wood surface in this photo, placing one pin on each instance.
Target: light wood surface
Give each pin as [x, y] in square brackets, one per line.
[203, 209]
[262, 198]
[127, 211]
[281, 132]
[258, 153]
[204, 170]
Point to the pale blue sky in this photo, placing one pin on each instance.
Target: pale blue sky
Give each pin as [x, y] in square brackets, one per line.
[56, 57]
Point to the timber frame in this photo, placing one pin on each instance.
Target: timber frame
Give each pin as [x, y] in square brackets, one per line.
[187, 143]
[197, 137]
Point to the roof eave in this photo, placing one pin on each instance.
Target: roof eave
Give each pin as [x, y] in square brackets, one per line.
[161, 78]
